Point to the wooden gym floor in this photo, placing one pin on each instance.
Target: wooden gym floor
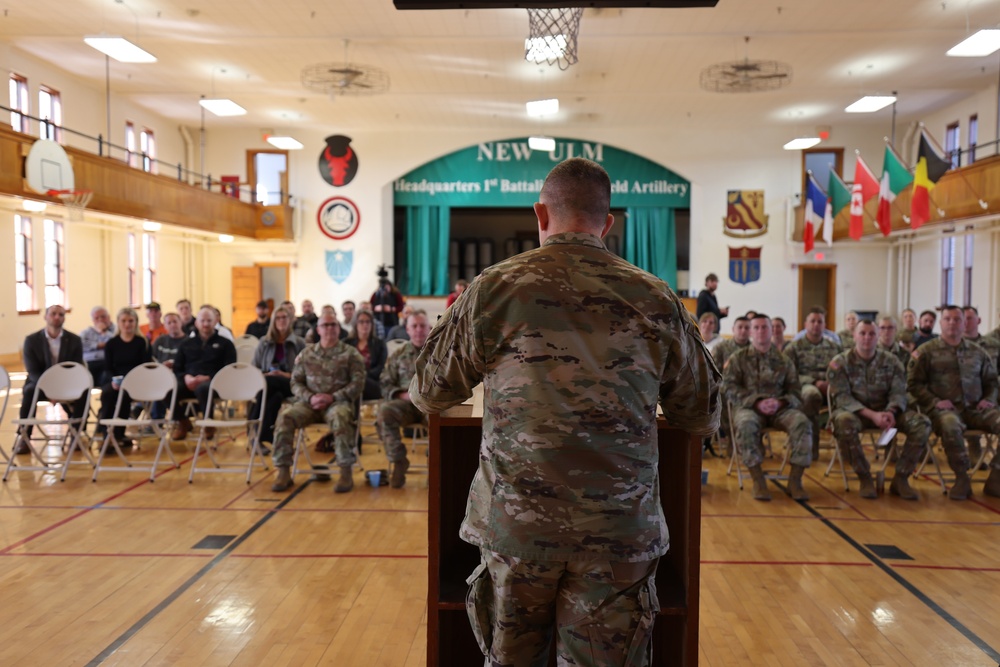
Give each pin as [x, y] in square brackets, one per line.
[128, 572]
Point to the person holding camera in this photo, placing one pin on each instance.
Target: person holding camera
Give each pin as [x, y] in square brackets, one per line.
[387, 301]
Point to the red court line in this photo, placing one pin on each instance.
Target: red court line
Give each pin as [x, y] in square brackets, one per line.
[105, 555]
[846, 518]
[249, 487]
[328, 556]
[985, 506]
[836, 495]
[787, 562]
[946, 567]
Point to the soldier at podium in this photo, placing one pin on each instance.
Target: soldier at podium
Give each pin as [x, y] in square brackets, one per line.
[575, 348]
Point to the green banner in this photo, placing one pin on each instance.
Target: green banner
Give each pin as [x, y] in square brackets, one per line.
[509, 173]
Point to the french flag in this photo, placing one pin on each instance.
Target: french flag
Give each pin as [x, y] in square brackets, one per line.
[815, 208]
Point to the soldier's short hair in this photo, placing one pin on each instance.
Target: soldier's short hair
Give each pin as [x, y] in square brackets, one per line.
[711, 278]
[865, 320]
[779, 319]
[418, 311]
[889, 318]
[578, 186]
[751, 314]
[820, 310]
[908, 310]
[741, 318]
[932, 313]
[948, 306]
[760, 316]
[973, 309]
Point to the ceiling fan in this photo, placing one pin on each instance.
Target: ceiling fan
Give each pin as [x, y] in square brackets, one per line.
[745, 76]
[345, 78]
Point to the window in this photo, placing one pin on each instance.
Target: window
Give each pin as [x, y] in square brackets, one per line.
[147, 145]
[130, 157]
[952, 146]
[23, 270]
[55, 264]
[973, 136]
[133, 274]
[969, 255]
[821, 161]
[50, 109]
[19, 103]
[148, 268]
[948, 270]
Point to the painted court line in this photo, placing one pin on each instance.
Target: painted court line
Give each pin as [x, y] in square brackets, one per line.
[954, 568]
[838, 497]
[786, 562]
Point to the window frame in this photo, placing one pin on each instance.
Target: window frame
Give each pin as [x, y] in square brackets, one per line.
[20, 100]
[948, 269]
[969, 256]
[23, 242]
[973, 137]
[149, 274]
[53, 129]
[953, 144]
[130, 266]
[147, 147]
[54, 239]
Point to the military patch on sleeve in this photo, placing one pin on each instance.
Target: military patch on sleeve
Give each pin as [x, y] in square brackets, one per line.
[835, 365]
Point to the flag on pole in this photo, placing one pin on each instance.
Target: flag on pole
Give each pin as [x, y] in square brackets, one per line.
[895, 179]
[865, 187]
[838, 197]
[931, 166]
[815, 207]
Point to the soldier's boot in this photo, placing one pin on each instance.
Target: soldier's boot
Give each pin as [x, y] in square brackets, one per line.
[867, 488]
[795, 489]
[901, 487]
[760, 491]
[346, 481]
[962, 488]
[283, 481]
[992, 485]
[398, 477]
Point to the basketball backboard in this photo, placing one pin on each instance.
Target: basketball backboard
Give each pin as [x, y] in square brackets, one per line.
[47, 167]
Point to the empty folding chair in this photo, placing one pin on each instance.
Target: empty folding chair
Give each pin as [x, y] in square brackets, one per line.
[246, 346]
[65, 384]
[237, 382]
[145, 385]
[5, 388]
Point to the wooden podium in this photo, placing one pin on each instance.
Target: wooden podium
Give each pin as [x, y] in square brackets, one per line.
[454, 458]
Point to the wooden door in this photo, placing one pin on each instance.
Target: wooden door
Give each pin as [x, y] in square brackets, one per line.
[818, 287]
[246, 294]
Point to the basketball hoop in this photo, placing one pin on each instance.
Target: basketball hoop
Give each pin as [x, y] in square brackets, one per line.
[552, 36]
[75, 201]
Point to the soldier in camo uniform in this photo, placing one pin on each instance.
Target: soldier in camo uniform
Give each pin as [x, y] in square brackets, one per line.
[954, 382]
[397, 409]
[887, 341]
[992, 348]
[740, 340]
[847, 333]
[868, 390]
[811, 355]
[908, 331]
[763, 390]
[574, 347]
[327, 380]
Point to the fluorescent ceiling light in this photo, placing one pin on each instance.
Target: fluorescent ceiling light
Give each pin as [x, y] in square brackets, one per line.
[225, 238]
[801, 143]
[150, 226]
[870, 103]
[540, 49]
[120, 49]
[33, 206]
[223, 107]
[542, 107]
[983, 43]
[547, 144]
[285, 143]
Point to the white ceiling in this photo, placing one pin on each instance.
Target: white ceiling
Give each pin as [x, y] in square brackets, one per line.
[465, 69]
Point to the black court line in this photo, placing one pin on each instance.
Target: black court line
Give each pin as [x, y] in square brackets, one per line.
[902, 581]
[110, 649]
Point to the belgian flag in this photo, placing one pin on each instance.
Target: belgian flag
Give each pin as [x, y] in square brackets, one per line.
[931, 166]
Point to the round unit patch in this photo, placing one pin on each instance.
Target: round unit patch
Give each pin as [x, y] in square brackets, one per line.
[338, 218]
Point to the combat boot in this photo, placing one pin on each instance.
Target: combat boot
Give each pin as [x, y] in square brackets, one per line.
[901, 487]
[283, 481]
[398, 477]
[992, 485]
[760, 491]
[867, 488]
[346, 481]
[795, 489]
[962, 488]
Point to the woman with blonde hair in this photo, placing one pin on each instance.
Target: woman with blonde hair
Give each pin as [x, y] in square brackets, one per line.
[275, 357]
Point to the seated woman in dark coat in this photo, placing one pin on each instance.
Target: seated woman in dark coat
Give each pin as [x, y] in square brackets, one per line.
[372, 349]
[122, 353]
[275, 357]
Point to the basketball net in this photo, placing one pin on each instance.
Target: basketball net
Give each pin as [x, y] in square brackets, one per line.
[552, 36]
[75, 201]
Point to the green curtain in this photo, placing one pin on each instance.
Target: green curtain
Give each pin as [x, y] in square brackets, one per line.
[427, 232]
[651, 242]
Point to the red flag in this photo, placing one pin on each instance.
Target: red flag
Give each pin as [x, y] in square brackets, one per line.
[885, 199]
[808, 237]
[857, 212]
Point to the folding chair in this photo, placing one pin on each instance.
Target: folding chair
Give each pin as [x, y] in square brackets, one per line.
[736, 456]
[65, 384]
[241, 383]
[246, 347]
[302, 450]
[871, 433]
[144, 384]
[248, 338]
[5, 388]
[930, 456]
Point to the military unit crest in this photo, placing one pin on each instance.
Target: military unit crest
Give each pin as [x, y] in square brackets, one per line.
[745, 218]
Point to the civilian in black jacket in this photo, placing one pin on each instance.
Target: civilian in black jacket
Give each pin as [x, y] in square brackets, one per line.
[199, 358]
[707, 302]
[372, 349]
[121, 354]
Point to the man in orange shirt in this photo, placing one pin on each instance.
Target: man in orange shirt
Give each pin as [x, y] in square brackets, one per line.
[155, 328]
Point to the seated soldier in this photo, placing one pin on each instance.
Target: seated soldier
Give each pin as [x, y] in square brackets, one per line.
[396, 410]
[889, 342]
[992, 348]
[198, 359]
[778, 333]
[740, 340]
[868, 390]
[811, 355]
[954, 382]
[908, 330]
[327, 380]
[763, 390]
[846, 334]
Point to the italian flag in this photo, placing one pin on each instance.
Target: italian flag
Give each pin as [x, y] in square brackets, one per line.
[895, 178]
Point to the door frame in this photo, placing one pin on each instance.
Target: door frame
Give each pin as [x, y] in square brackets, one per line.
[252, 171]
[831, 294]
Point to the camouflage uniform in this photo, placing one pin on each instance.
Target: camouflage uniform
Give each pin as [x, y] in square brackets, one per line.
[574, 347]
[991, 345]
[846, 339]
[751, 376]
[338, 371]
[811, 361]
[395, 413]
[964, 375]
[878, 384]
[900, 353]
[721, 355]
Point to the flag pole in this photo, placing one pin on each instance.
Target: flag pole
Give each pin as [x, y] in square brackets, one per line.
[894, 116]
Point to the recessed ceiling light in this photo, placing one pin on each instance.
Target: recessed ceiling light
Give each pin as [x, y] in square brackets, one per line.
[150, 226]
[870, 103]
[547, 144]
[225, 238]
[120, 49]
[983, 43]
[285, 143]
[542, 107]
[223, 107]
[541, 49]
[33, 206]
[801, 143]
